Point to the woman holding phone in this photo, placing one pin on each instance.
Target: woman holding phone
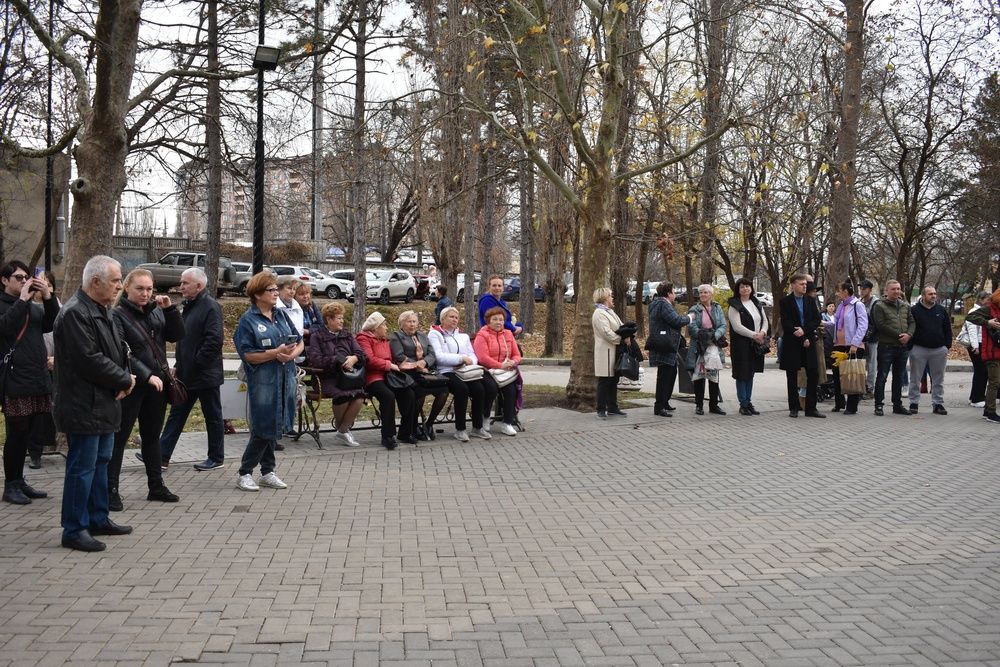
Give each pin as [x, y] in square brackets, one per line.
[268, 343]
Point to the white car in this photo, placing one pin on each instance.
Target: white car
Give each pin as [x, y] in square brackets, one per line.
[341, 284]
[765, 299]
[318, 282]
[460, 286]
[386, 285]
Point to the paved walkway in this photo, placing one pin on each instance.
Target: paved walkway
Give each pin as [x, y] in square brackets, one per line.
[643, 541]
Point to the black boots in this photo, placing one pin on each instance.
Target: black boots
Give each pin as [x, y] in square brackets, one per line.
[18, 492]
[162, 494]
[115, 500]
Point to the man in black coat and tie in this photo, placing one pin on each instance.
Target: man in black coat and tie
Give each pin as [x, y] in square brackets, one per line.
[799, 321]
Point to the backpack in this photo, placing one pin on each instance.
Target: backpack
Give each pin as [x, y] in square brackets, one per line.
[871, 335]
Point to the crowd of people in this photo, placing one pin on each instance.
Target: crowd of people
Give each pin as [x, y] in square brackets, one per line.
[904, 342]
[97, 365]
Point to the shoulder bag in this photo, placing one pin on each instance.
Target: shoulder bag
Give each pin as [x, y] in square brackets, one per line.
[398, 380]
[350, 380]
[504, 376]
[8, 360]
[173, 389]
[466, 372]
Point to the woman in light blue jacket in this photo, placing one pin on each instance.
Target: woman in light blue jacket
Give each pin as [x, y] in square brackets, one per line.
[705, 358]
[850, 325]
[267, 342]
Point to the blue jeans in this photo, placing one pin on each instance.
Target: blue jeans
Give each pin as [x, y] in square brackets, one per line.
[744, 391]
[85, 489]
[891, 358]
[211, 407]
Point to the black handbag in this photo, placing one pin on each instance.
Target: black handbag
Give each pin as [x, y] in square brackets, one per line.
[660, 341]
[174, 390]
[626, 364]
[397, 380]
[763, 347]
[350, 380]
[430, 380]
[8, 360]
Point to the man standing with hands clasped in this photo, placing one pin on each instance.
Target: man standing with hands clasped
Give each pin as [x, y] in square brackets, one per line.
[895, 326]
[799, 321]
[92, 376]
[931, 342]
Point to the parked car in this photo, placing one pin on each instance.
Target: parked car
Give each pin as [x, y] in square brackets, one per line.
[167, 271]
[317, 281]
[765, 298]
[389, 284]
[423, 285]
[512, 290]
[341, 284]
[460, 286]
[570, 295]
[648, 290]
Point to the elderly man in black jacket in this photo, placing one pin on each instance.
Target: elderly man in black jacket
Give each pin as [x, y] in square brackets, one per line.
[92, 376]
[799, 321]
[199, 367]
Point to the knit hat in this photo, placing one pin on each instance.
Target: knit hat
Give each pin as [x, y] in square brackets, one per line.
[373, 321]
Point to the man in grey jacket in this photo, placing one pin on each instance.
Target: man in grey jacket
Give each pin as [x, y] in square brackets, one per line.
[92, 376]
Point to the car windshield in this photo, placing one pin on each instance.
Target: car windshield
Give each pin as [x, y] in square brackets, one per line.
[378, 275]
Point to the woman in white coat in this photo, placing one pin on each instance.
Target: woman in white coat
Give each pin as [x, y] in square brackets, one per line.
[608, 333]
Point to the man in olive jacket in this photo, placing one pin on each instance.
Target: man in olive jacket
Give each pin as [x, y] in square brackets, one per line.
[895, 326]
[199, 367]
[92, 376]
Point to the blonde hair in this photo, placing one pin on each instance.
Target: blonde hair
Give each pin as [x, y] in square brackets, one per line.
[448, 311]
[601, 294]
[132, 275]
[407, 314]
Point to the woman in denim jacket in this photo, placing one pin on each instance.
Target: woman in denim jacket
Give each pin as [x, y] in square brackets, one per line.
[267, 342]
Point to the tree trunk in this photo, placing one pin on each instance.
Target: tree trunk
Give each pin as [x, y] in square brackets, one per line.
[356, 205]
[715, 34]
[526, 179]
[213, 141]
[100, 155]
[843, 173]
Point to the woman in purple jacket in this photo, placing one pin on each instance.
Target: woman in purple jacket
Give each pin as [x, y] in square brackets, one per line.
[331, 349]
[850, 325]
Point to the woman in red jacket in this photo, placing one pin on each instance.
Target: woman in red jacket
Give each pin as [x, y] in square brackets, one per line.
[989, 319]
[374, 342]
[496, 350]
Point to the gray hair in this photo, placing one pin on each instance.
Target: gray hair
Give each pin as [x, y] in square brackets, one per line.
[706, 286]
[97, 267]
[983, 295]
[601, 294]
[405, 315]
[288, 280]
[196, 273]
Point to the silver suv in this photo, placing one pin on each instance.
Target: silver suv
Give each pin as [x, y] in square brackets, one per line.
[167, 272]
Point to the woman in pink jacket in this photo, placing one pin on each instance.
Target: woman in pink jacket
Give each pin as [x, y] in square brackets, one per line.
[496, 350]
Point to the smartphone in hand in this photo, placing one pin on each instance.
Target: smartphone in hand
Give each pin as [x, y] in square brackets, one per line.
[292, 339]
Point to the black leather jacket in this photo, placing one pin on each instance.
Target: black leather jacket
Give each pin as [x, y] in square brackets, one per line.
[199, 353]
[162, 325]
[91, 368]
[28, 373]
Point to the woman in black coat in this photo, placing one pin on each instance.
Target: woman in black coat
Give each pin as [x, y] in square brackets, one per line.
[145, 322]
[748, 325]
[665, 325]
[27, 385]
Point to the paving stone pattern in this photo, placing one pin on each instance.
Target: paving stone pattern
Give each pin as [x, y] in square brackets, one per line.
[761, 541]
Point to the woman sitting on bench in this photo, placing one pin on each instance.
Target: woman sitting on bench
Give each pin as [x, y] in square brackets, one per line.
[333, 350]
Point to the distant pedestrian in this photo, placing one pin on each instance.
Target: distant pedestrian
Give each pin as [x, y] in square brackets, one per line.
[199, 367]
[868, 299]
[706, 358]
[666, 324]
[974, 334]
[894, 324]
[492, 300]
[850, 325]
[27, 386]
[989, 320]
[800, 321]
[92, 376]
[444, 301]
[748, 323]
[929, 349]
[267, 342]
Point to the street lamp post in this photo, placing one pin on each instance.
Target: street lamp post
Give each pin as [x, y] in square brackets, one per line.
[264, 59]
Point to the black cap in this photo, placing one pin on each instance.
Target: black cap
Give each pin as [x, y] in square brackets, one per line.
[866, 284]
[811, 287]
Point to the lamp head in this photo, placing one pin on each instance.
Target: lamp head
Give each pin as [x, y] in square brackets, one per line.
[266, 57]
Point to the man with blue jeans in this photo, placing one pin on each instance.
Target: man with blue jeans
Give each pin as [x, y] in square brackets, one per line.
[92, 376]
[199, 367]
[895, 326]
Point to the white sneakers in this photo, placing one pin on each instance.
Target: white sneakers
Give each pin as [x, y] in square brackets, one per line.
[246, 483]
[480, 433]
[461, 436]
[980, 404]
[507, 429]
[346, 439]
[270, 480]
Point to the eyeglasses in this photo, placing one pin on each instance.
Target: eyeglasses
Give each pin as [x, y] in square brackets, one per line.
[273, 290]
[20, 277]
